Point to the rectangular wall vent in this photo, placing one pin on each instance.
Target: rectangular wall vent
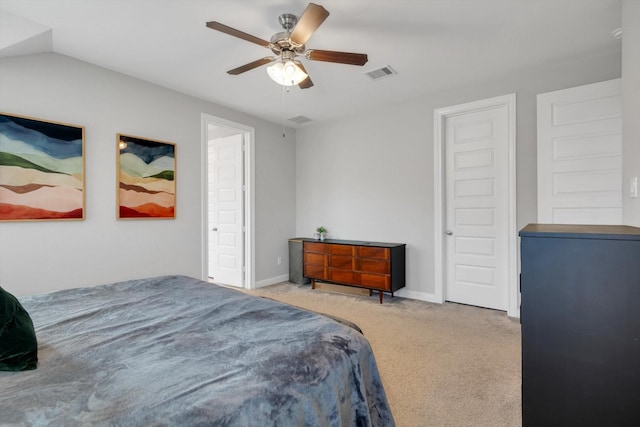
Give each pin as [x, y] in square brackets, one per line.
[381, 73]
[299, 119]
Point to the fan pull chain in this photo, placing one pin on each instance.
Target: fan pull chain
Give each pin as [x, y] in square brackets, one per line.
[283, 112]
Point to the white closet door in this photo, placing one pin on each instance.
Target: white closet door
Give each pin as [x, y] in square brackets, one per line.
[477, 205]
[226, 215]
[580, 155]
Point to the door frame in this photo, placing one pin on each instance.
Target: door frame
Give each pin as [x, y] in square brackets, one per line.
[249, 198]
[439, 193]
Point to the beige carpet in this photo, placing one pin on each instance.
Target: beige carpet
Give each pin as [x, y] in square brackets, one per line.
[441, 365]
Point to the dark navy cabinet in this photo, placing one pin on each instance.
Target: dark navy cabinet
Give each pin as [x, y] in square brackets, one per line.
[580, 316]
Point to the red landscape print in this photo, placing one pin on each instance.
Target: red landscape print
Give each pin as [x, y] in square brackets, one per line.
[41, 170]
[146, 178]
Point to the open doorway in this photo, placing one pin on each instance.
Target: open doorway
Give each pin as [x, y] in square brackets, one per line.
[227, 234]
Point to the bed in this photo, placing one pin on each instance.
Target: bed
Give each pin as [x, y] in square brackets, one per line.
[174, 350]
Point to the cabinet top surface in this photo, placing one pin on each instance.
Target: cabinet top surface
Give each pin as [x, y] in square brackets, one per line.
[353, 242]
[576, 231]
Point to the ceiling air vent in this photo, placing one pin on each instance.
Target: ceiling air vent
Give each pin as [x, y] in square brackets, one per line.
[299, 119]
[381, 73]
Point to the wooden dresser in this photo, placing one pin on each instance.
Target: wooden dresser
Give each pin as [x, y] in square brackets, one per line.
[371, 265]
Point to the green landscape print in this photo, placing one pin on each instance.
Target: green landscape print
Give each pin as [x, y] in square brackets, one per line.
[146, 178]
[41, 170]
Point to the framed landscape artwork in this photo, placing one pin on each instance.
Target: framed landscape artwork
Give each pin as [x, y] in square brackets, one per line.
[41, 170]
[146, 178]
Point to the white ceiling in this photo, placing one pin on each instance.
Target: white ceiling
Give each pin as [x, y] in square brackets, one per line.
[434, 45]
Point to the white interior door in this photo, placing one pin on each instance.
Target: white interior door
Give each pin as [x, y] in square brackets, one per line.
[477, 207]
[580, 155]
[226, 213]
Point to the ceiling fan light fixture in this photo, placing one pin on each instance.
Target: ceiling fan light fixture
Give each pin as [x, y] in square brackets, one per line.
[286, 73]
[289, 44]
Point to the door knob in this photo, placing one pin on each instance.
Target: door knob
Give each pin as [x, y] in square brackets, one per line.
[449, 233]
[214, 229]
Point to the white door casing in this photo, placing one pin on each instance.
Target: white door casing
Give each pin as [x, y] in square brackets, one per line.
[226, 215]
[580, 155]
[475, 212]
[210, 122]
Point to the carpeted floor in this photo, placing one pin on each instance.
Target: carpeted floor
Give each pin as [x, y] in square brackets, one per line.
[442, 365]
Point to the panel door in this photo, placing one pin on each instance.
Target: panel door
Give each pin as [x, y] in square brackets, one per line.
[580, 155]
[476, 172]
[226, 216]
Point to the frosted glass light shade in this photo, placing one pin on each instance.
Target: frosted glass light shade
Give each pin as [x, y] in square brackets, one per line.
[286, 73]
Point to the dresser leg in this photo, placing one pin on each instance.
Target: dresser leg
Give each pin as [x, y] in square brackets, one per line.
[313, 283]
[380, 294]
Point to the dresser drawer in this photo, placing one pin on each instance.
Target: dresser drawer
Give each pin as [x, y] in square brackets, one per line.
[342, 261]
[374, 252]
[343, 276]
[369, 265]
[322, 248]
[376, 281]
[343, 250]
[311, 258]
[315, 272]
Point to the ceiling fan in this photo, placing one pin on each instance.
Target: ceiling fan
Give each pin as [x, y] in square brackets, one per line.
[290, 44]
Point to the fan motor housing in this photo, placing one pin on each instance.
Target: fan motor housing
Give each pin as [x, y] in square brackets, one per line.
[280, 41]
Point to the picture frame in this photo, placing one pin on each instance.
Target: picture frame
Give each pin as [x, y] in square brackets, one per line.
[42, 169]
[146, 178]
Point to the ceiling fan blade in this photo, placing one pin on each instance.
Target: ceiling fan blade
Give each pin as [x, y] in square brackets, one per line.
[339, 57]
[252, 65]
[237, 33]
[311, 18]
[306, 83]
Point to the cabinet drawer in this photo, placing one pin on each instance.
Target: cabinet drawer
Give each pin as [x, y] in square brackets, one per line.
[315, 272]
[342, 261]
[375, 266]
[342, 250]
[343, 276]
[316, 247]
[376, 281]
[311, 258]
[373, 252]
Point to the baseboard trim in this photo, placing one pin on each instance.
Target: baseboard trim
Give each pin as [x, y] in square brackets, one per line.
[422, 296]
[272, 281]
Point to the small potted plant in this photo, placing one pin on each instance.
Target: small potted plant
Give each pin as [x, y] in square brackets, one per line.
[320, 232]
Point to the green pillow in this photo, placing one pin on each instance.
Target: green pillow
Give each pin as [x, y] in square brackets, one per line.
[18, 345]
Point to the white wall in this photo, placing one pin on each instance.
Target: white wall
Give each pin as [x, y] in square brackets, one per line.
[630, 108]
[43, 256]
[275, 203]
[370, 176]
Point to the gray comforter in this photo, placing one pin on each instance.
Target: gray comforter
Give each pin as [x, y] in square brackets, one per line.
[178, 351]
